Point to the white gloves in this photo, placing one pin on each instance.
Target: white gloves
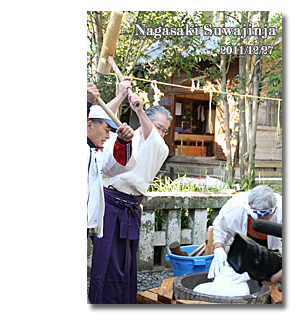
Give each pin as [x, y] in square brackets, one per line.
[217, 267]
[236, 277]
[217, 263]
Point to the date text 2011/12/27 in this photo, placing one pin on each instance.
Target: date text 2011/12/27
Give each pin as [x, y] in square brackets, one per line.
[247, 50]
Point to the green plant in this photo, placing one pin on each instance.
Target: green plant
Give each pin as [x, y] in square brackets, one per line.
[248, 182]
[159, 220]
[277, 187]
[184, 218]
[209, 217]
[166, 184]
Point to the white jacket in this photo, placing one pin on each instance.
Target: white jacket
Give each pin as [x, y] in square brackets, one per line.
[149, 155]
[233, 217]
[98, 164]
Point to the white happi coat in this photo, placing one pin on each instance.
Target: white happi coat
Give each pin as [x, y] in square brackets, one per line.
[100, 163]
[233, 219]
[149, 155]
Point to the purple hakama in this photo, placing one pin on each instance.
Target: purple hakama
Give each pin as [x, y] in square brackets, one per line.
[114, 264]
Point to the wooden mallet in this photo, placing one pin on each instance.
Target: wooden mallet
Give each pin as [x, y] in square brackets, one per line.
[108, 49]
[113, 117]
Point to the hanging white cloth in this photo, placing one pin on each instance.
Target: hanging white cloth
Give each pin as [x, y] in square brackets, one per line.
[193, 86]
[156, 93]
[202, 114]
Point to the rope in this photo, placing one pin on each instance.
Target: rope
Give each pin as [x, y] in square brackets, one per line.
[199, 89]
[205, 90]
[210, 98]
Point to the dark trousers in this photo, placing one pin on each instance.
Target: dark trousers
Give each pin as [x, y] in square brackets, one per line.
[114, 264]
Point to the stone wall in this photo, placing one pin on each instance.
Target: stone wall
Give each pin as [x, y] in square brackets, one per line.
[171, 204]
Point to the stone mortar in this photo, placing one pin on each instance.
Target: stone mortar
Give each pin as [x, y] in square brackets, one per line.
[184, 284]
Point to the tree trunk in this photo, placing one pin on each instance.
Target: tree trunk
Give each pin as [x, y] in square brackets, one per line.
[242, 108]
[242, 111]
[248, 107]
[226, 115]
[235, 140]
[226, 120]
[252, 145]
[256, 83]
[99, 25]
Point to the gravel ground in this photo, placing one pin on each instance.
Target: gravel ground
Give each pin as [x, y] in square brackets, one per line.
[152, 279]
[148, 279]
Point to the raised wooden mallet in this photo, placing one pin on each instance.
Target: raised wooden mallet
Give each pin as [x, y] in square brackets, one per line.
[113, 117]
[108, 49]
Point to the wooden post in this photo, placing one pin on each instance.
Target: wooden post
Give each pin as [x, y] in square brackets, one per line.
[209, 244]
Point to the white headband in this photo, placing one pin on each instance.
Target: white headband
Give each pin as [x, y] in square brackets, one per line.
[258, 213]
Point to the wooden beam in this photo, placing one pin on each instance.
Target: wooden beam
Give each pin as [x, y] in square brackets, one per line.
[147, 297]
[165, 293]
[266, 163]
[276, 295]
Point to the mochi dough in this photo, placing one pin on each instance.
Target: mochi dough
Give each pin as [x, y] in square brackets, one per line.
[222, 286]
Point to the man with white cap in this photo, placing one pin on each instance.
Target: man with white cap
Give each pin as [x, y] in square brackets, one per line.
[114, 268]
[236, 216]
[113, 163]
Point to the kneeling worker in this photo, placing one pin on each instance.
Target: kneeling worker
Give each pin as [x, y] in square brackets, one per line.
[236, 216]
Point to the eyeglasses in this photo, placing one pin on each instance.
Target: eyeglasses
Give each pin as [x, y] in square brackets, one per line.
[161, 129]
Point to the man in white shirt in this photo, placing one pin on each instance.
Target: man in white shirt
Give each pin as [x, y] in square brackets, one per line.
[114, 266]
[115, 162]
[236, 216]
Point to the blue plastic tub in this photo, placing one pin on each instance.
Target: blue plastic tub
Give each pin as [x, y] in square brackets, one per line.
[186, 265]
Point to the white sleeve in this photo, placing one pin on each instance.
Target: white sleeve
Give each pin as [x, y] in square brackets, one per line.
[149, 158]
[230, 219]
[220, 229]
[110, 166]
[273, 241]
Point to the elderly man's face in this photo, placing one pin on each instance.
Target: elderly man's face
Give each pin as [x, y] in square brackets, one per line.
[98, 134]
[161, 123]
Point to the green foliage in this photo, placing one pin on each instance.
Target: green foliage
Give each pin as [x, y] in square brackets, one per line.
[209, 219]
[179, 53]
[159, 219]
[182, 54]
[165, 184]
[273, 74]
[249, 181]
